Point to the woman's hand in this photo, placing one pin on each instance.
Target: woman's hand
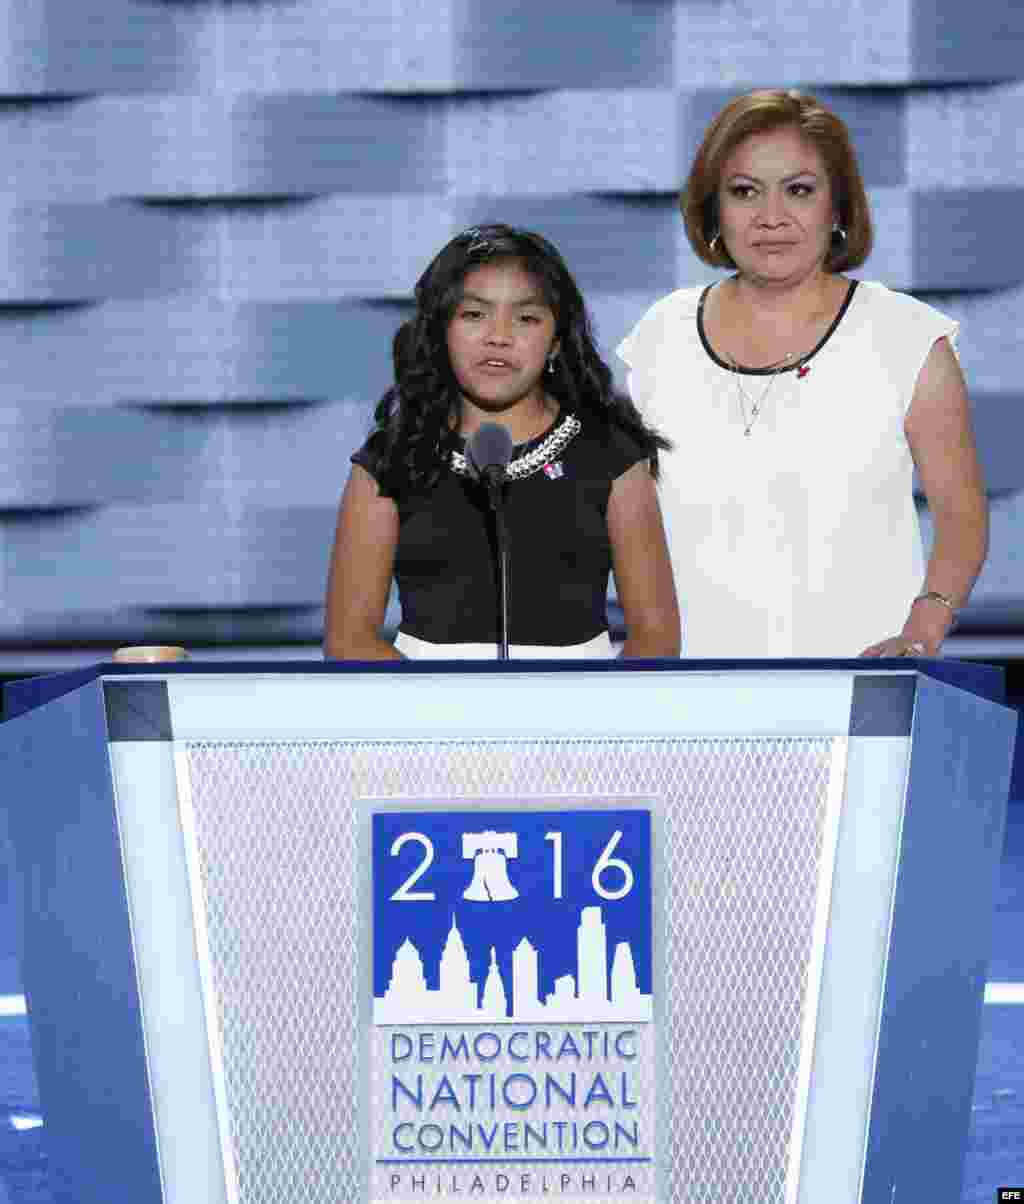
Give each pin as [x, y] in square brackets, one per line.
[928, 625]
[641, 565]
[897, 646]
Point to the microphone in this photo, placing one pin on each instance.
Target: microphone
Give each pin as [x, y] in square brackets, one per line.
[488, 453]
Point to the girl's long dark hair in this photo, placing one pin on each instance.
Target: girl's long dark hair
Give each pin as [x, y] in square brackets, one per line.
[417, 417]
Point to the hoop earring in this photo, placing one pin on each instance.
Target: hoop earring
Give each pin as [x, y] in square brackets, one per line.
[838, 233]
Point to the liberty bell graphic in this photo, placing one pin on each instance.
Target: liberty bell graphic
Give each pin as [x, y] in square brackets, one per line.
[489, 852]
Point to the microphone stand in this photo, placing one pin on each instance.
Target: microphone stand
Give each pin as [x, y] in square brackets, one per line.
[489, 451]
[494, 492]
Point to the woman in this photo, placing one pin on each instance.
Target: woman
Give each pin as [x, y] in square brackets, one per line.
[501, 335]
[800, 402]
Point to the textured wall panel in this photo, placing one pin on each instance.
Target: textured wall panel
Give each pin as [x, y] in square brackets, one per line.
[999, 427]
[53, 150]
[276, 146]
[72, 46]
[366, 246]
[322, 45]
[57, 617]
[892, 260]
[209, 555]
[177, 352]
[74, 253]
[953, 41]
[999, 431]
[514, 44]
[960, 239]
[968, 138]
[566, 142]
[222, 145]
[332, 246]
[742, 43]
[444, 45]
[55, 459]
[739, 44]
[269, 455]
[998, 599]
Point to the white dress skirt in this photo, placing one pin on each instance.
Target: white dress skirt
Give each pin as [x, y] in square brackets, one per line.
[600, 647]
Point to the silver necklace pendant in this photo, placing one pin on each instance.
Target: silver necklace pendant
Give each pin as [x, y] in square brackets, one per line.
[756, 404]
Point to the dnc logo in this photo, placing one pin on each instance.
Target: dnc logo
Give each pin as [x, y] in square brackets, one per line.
[505, 916]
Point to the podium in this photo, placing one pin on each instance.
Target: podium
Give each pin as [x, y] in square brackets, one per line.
[666, 931]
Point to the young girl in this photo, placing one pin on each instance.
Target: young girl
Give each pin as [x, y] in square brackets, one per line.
[501, 335]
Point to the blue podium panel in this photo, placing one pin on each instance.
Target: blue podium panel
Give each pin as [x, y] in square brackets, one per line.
[668, 931]
[78, 962]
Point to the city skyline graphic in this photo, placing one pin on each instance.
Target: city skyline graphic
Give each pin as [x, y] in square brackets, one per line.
[598, 991]
[490, 900]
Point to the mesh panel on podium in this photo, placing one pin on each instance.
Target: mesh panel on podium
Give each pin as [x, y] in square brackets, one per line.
[747, 836]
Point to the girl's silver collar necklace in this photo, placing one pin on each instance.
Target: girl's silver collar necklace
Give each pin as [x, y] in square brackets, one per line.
[532, 460]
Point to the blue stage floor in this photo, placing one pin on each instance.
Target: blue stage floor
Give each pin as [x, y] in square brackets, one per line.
[995, 1148]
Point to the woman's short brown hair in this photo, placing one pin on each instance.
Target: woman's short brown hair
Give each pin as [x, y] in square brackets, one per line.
[758, 113]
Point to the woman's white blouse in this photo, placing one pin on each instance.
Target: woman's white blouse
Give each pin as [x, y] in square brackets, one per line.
[801, 539]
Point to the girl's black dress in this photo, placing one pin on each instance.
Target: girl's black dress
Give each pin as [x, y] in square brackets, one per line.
[556, 504]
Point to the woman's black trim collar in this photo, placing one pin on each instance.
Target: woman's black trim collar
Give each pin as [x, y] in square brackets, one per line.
[772, 371]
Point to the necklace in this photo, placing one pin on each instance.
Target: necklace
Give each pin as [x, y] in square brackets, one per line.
[529, 462]
[756, 404]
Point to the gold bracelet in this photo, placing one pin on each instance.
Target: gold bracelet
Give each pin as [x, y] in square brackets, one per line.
[933, 595]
